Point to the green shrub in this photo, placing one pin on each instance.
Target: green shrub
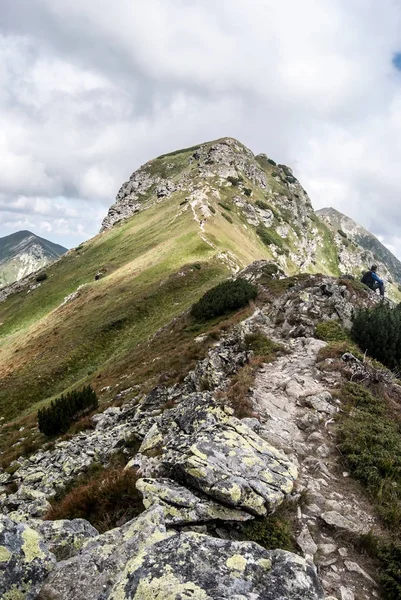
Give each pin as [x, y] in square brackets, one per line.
[262, 345]
[225, 297]
[227, 217]
[41, 277]
[390, 572]
[225, 206]
[271, 532]
[183, 202]
[377, 331]
[62, 411]
[247, 191]
[262, 205]
[212, 209]
[233, 180]
[370, 440]
[342, 233]
[272, 162]
[269, 236]
[331, 331]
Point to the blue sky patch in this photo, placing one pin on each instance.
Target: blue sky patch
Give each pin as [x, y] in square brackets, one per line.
[397, 61]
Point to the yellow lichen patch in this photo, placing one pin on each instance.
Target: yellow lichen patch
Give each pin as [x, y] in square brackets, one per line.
[250, 461]
[237, 563]
[168, 587]
[196, 472]
[265, 563]
[14, 594]
[235, 492]
[5, 554]
[196, 452]
[31, 547]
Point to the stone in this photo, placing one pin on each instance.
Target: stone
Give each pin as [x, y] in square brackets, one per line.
[306, 542]
[322, 403]
[200, 567]
[355, 568]
[220, 456]
[327, 549]
[65, 538]
[101, 560]
[334, 519]
[182, 506]
[346, 594]
[25, 561]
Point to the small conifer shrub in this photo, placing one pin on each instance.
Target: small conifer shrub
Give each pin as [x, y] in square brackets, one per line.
[377, 331]
[227, 217]
[57, 417]
[41, 277]
[272, 162]
[233, 180]
[223, 298]
[247, 191]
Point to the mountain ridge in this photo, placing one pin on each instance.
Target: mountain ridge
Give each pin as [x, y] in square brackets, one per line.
[375, 251]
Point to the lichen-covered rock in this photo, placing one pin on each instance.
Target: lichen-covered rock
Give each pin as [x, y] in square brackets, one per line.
[102, 559]
[214, 452]
[182, 506]
[199, 567]
[25, 561]
[65, 538]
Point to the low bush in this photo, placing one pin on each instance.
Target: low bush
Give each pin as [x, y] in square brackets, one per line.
[108, 499]
[225, 206]
[212, 209]
[377, 331]
[272, 162]
[247, 191]
[41, 277]
[225, 297]
[62, 411]
[227, 217]
[233, 180]
[269, 237]
[342, 233]
[331, 331]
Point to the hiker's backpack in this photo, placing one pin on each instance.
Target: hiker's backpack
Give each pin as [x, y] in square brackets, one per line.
[368, 280]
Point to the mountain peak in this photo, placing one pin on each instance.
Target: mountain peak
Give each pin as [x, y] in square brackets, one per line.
[22, 253]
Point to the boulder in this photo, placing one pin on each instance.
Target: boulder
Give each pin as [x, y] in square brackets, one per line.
[196, 566]
[214, 452]
[25, 561]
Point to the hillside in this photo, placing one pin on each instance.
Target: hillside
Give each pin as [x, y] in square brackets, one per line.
[358, 249]
[224, 456]
[23, 253]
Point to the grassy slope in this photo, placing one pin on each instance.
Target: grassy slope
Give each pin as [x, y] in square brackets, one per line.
[47, 347]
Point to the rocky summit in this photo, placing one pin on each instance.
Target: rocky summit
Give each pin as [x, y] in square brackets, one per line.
[23, 253]
[235, 456]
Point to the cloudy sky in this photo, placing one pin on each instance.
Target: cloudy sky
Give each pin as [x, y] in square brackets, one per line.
[91, 89]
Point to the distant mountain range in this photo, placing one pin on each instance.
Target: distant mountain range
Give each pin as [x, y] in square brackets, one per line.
[23, 253]
[358, 248]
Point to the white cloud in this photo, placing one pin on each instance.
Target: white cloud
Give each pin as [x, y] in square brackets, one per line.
[87, 94]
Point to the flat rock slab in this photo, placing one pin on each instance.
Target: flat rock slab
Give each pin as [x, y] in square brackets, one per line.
[182, 506]
[214, 452]
[25, 561]
[199, 567]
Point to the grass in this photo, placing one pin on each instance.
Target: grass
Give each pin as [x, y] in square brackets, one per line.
[331, 331]
[107, 498]
[49, 347]
[370, 440]
[271, 532]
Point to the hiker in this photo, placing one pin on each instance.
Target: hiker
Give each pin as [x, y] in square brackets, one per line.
[372, 280]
